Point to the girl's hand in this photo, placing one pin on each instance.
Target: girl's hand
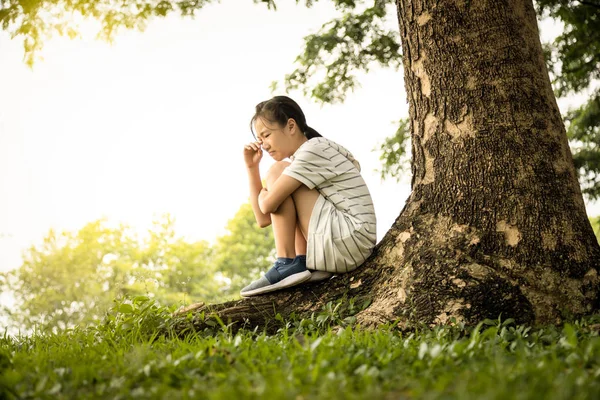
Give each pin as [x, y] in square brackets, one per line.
[252, 154]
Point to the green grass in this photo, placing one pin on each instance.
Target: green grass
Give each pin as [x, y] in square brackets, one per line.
[320, 357]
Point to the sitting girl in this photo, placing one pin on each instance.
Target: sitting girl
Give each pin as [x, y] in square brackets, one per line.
[318, 203]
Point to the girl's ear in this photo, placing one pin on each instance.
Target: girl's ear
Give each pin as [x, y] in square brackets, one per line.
[291, 125]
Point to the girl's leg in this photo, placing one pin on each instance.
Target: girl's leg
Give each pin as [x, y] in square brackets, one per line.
[292, 217]
[304, 200]
[300, 241]
[290, 226]
[284, 219]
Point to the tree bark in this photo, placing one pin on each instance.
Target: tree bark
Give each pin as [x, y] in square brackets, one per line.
[496, 223]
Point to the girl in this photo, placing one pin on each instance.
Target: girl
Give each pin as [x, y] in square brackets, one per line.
[318, 203]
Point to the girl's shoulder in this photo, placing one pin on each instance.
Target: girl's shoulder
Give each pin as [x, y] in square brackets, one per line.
[316, 141]
[322, 142]
[317, 144]
[328, 143]
[324, 148]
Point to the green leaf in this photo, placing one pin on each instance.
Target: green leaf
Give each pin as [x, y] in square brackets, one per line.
[126, 308]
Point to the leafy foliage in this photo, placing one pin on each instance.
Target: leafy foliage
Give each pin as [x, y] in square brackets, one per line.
[36, 20]
[574, 57]
[573, 61]
[344, 46]
[311, 358]
[595, 221]
[245, 251]
[583, 129]
[72, 277]
[394, 155]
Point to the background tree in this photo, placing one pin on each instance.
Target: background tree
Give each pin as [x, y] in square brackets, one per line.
[574, 64]
[173, 269]
[596, 226]
[245, 251]
[73, 277]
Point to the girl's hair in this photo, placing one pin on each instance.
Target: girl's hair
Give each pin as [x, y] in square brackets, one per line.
[278, 110]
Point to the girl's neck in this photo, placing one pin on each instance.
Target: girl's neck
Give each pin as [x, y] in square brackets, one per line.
[302, 140]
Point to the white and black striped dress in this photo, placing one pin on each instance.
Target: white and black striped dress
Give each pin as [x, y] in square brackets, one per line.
[342, 228]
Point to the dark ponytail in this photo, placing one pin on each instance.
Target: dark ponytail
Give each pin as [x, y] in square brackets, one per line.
[311, 133]
[278, 110]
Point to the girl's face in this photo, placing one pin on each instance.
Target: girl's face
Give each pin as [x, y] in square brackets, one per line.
[275, 139]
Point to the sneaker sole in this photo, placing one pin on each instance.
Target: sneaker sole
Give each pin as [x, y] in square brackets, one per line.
[291, 280]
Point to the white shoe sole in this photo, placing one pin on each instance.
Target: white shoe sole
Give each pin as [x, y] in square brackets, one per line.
[291, 280]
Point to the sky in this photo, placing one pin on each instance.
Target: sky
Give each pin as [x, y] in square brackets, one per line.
[156, 122]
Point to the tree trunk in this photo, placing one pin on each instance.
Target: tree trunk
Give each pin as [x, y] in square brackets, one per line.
[495, 224]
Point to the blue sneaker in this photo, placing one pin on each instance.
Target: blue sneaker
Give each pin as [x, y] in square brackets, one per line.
[284, 273]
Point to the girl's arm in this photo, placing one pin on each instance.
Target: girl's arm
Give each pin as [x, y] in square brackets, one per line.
[265, 202]
[252, 156]
[263, 219]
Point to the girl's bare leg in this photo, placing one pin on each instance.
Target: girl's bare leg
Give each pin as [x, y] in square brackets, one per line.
[304, 200]
[284, 219]
[290, 222]
[300, 241]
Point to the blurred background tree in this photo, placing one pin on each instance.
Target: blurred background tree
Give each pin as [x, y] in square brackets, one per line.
[245, 251]
[596, 226]
[573, 61]
[72, 278]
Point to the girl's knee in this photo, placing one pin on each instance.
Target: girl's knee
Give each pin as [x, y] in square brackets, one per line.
[275, 172]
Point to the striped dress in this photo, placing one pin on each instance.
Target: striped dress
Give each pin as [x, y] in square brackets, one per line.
[342, 228]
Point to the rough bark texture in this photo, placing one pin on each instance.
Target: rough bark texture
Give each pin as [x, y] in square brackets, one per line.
[496, 223]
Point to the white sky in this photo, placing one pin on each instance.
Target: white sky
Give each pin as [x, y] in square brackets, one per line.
[156, 123]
